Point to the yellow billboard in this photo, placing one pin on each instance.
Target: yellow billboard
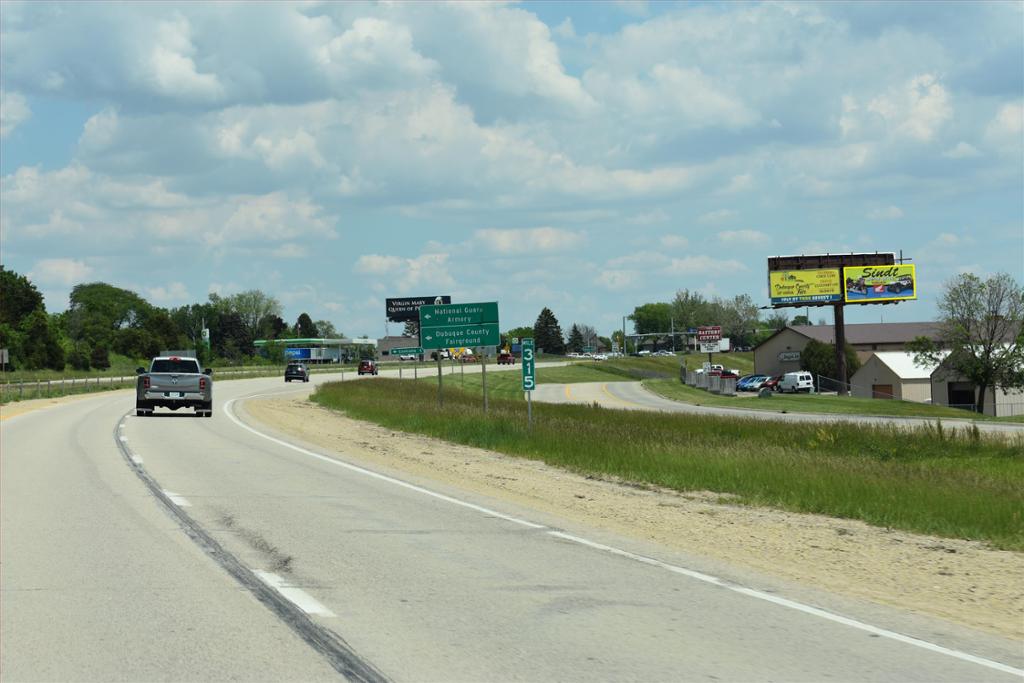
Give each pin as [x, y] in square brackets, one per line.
[805, 286]
[868, 284]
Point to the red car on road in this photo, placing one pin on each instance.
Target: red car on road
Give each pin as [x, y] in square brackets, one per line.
[367, 367]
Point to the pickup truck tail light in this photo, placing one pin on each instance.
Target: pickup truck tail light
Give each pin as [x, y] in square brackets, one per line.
[145, 383]
[202, 384]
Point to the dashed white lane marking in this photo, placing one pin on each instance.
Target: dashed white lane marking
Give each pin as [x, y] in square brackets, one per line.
[707, 578]
[180, 501]
[124, 439]
[136, 459]
[300, 598]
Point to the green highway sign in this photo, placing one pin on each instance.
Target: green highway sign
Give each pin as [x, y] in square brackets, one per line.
[444, 326]
[460, 335]
[413, 350]
[589, 349]
[446, 315]
[529, 365]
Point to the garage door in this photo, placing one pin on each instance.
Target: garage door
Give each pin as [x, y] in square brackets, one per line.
[881, 391]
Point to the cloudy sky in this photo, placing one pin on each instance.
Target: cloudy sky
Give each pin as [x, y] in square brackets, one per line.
[585, 157]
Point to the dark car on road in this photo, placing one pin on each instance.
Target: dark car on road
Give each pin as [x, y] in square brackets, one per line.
[367, 367]
[506, 358]
[296, 371]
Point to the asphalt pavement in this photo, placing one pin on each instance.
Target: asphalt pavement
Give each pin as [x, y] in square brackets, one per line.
[177, 548]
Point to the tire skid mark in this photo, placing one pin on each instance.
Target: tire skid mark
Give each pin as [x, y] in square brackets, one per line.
[332, 647]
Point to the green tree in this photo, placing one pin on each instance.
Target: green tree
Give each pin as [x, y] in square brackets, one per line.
[329, 331]
[982, 325]
[252, 308]
[304, 327]
[18, 298]
[100, 357]
[98, 310]
[739, 319]
[819, 359]
[547, 333]
[518, 333]
[41, 346]
[801, 320]
[652, 318]
[575, 340]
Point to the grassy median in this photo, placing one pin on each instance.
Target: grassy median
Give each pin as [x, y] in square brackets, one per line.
[933, 480]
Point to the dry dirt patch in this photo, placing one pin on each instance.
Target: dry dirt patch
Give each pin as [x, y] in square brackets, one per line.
[963, 581]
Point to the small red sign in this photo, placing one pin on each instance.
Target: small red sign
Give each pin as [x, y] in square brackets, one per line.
[709, 334]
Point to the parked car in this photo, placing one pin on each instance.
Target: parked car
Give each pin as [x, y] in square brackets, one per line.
[756, 383]
[367, 367]
[296, 371]
[772, 383]
[407, 356]
[742, 382]
[506, 358]
[792, 382]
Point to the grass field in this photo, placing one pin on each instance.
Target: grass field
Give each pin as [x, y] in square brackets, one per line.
[957, 484]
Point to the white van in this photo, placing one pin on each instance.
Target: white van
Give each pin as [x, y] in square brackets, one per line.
[797, 381]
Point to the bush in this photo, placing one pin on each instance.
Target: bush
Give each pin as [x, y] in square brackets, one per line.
[78, 360]
[100, 357]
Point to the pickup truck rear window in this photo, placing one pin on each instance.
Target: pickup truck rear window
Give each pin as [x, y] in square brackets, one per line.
[184, 366]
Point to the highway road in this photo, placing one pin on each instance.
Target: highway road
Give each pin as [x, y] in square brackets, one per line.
[633, 396]
[176, 548]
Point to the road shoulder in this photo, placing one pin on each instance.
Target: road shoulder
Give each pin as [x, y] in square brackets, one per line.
[963, 581]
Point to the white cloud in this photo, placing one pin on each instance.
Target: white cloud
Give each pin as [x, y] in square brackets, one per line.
[99, 130]
[14, 110]
[60, 271]
[1006, 127]
[962, 150]
[743, 237]
[528, 240]
[674, 241]
[739, 183]
[649, 217]
[406, 274]
[176, 293]
[703, 265]
[290, 250]
[716, 217]
[917, 110]
[885, 213]
[171, 68]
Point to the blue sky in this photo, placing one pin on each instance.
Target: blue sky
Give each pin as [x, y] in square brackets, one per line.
[588, 157]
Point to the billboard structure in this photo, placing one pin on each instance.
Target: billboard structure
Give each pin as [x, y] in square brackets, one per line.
[804, 287]
[837, 280]
[873, 284]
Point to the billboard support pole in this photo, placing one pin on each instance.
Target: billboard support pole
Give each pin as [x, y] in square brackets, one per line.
[840, 328]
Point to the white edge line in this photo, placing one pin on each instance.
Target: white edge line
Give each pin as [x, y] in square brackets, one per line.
[800, 607]
[377, 475]
[707, 578]
[300, 598]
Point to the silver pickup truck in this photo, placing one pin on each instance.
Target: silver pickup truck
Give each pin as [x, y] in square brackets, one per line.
[174, 382]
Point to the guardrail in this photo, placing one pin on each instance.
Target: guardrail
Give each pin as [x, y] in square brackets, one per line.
[66, 386]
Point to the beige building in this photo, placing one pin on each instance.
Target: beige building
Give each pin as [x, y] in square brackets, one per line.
[894, 375]
[950, 389]
[780, 353]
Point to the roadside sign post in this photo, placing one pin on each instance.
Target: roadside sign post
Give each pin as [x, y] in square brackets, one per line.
[529, 378]
[459, 325]
[483, 377]
[440, 398]
[709, 337]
